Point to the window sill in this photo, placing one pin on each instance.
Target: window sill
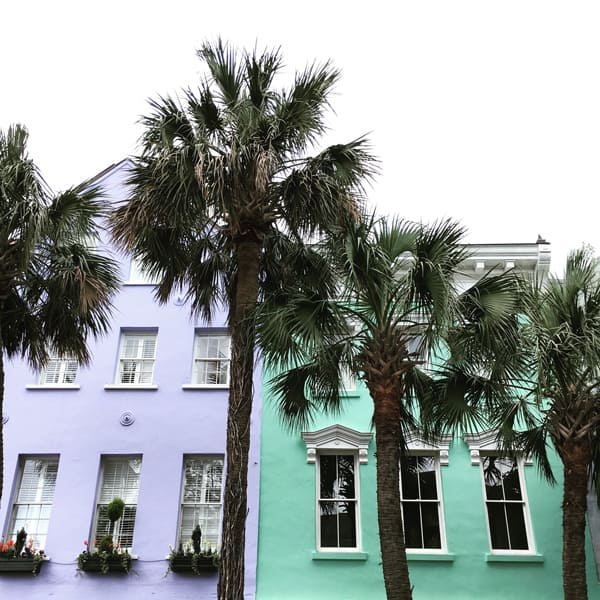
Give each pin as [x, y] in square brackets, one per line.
[53, 386]
[340, 555]
[129, 386]
[200, 386]
[139, 283]
[431, 556]
[349, 394]
[530, 558]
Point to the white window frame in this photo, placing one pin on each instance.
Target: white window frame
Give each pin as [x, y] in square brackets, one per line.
[131, 333]
[37, 501]
[183, 504]
[64, 363]
[439, 451]
[105, 459]
[139, 276]
[337, 440]
[197, 360]
[485, 444]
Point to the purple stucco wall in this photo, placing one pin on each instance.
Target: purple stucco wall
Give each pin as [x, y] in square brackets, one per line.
[82, 425]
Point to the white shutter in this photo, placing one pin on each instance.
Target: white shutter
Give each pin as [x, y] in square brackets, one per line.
[136, 364]
[120, 479]
[33, 503]
[59, 370]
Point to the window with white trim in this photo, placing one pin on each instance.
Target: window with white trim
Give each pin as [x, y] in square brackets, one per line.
[59, 370]
[201, 499]
[136, 357]
[504, 494]
[505, 503]
[420, 491]
[139, 275]
[337, 452]
[120, 478]
[212, 358]
[337, 502]
[33, 499]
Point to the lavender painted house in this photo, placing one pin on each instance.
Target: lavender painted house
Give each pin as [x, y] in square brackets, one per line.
[145, 421]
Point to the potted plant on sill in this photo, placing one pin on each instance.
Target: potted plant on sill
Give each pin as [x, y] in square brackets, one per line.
[193, 560]
[16, 557]
[107, 556]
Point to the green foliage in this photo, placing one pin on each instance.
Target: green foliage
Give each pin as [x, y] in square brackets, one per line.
[114, 509]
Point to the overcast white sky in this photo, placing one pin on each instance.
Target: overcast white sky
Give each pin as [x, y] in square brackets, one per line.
[488, 112]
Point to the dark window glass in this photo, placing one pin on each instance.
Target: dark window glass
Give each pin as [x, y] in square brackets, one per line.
[412, 525]
[431, 525]
[497, 521]
[516, 527]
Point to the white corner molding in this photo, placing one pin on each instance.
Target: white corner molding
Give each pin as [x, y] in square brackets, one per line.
[486, 441]
[441, 445]
[337, 437]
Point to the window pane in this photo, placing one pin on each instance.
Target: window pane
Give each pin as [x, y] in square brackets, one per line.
[345, 476]
[328, 473]
[512, 485]
[409, 477]
[347, 524]
[516, 526]
[329, 525]
[497, 523]
[412, 525]
[428, 486]
[492, 476]
[431, 525]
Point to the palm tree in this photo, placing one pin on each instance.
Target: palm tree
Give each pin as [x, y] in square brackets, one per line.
[55, 290]
[222, 175]
[561, 338]
[397, 306]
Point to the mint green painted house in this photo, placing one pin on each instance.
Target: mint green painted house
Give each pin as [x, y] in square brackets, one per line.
[318, 524]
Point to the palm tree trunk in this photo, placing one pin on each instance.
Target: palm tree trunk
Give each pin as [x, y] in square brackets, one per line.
[576, 459]
[391, 532]
[244, 296]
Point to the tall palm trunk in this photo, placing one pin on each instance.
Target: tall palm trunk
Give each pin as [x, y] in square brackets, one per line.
[576, 457]
[245, 292]
[391, 533]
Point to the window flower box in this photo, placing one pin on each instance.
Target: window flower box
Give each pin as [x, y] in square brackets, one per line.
[101, 562]
[194, 563]
[31, 565]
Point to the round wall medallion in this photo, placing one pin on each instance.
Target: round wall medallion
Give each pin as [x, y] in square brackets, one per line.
[127, 418]
[5, 419]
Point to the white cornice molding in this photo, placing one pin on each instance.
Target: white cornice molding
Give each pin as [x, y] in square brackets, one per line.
[337, 437]
[441, 445]
[486, 441]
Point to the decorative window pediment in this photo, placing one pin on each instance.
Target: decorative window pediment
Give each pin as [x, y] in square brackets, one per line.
[441, 445]
[337, 437]
[486, 441]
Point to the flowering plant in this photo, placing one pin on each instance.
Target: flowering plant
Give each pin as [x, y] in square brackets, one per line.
[104, 557]
[17, 550]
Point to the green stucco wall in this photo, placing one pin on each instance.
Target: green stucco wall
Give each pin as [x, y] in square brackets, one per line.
[288, 571]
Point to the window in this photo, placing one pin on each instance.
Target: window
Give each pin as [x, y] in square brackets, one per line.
[337, 501]
[505, 503]
[212, 355]
[120, 478]
[59, 370]
[421, 507]
[201, 500]
[504, 494]
[337, 452]
[136, 357]
[137, 274]
[33, 499]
